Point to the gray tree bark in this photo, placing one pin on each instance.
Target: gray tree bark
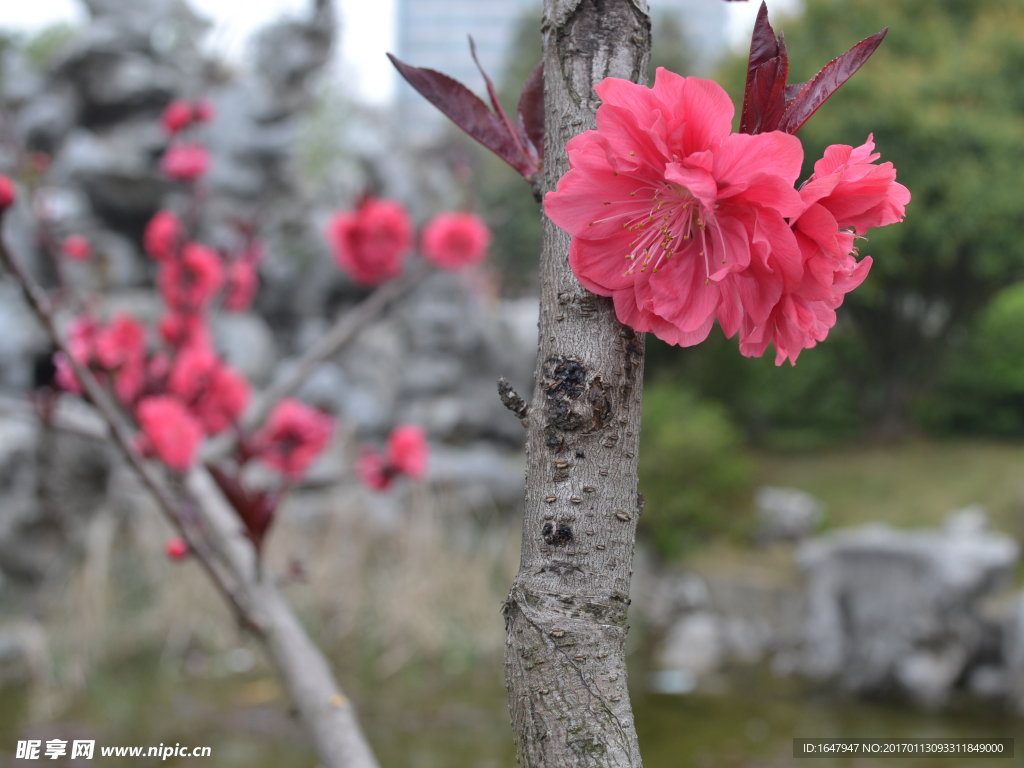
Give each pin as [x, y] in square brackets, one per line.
[565, 665]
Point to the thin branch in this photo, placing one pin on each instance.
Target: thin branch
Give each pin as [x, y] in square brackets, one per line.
[344, 331]
[512, 400]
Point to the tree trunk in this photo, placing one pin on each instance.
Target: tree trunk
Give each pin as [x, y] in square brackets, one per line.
[565, 663]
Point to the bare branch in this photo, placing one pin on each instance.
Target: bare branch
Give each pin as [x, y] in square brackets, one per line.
[511, 400]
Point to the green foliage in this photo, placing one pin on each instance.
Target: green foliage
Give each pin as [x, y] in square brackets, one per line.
[779, 407]
[944, 98]
[693, 472]
[981, 388]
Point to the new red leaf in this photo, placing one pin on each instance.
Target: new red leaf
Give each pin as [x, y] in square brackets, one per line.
[531, 112]
[814, 92]
[255, 510]
[467, 111]
[764, 96]
[495, 103]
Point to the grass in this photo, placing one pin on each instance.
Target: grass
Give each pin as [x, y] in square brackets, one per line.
[908, 484]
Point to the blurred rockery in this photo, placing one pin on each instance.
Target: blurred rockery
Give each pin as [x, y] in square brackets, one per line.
[86, 124]
[930, 616]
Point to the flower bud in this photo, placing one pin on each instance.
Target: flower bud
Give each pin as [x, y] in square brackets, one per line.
[8, 194]
[176, 548]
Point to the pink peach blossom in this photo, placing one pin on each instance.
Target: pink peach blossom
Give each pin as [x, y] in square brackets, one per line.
[177, 116]
[846, 195]
[294, 435]
[172, 433]
[184, 329]
[204, 111]
[406, 453]
[82, 333]
[222, 400]
[76, 248]
[8, 192]
[185, 162]
[65, 377]
[192, 368]
[664, 204]
[176, 548]
[190, 283]
[407, 450]
[163, 236]
[242, 284]
[130, 381]
[121, 341]
[455, 240]
[372, 471]
[370, 242]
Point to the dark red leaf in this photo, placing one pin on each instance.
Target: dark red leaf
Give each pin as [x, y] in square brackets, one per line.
[255, 510]
[232, 489]
[792, 90]
[263, 507]
[814, 92]
[468, 112]
[495, 103]
[764, 96]
[531, 112]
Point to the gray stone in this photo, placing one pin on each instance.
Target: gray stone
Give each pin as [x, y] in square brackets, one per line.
[892, 609]
[21, 81]
[24, 653]
[246, 343]
[485, 473]
[116, 168]
[1013, 653]
[694, 643]
[52, 484]
[46, 120]
[786, 514]
[674, 594]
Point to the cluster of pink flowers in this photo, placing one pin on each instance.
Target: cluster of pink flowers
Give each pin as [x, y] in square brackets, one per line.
[115, 352]
[682, 222]
[180, 391]
[406, 453]
[371, 242]
[191, 274]
[185, 161]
